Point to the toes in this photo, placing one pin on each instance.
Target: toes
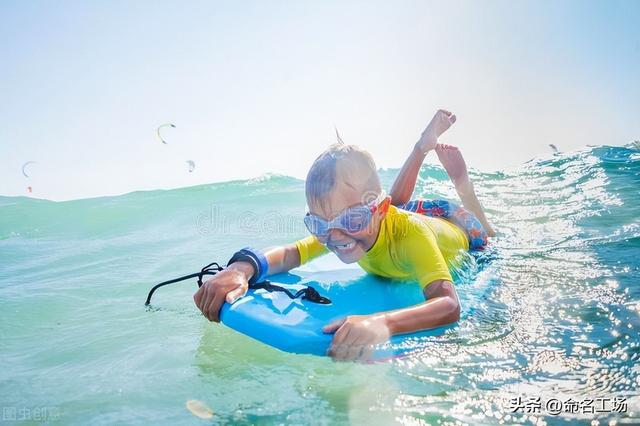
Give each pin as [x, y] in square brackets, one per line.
[443, 153]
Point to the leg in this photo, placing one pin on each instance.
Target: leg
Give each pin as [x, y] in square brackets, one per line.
[402, 187]
[451, 159]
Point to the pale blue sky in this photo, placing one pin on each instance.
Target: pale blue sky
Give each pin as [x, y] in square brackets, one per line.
[255, 87]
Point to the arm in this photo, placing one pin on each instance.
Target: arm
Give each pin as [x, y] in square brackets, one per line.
[420, 255]
[282, 259]
[233, 282]
[356, 334]
[424, 258]
[442, 307]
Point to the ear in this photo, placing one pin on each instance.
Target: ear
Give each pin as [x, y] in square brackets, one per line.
[384, 206]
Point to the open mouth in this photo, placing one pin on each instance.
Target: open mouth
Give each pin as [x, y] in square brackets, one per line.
[343, 248]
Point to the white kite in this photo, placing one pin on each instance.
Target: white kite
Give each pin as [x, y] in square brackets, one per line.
[24, 168]
[338, 135]
[159, 131]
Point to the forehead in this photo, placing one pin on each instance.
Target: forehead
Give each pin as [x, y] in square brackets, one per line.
[341, 196]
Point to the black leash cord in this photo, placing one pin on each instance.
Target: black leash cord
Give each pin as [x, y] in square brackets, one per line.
[308, 293]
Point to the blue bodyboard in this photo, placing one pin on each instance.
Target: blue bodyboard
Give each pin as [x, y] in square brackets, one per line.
[295, 325]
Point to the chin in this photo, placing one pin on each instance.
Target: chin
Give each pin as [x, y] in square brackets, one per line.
[348, 260]
[351, 257]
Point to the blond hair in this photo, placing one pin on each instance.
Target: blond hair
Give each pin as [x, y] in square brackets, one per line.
[349, 164]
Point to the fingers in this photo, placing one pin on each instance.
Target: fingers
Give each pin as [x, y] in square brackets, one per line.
[367, 353]
[197, 297]
[445, 112]
[234, 295]
[357, 347]
[228, 286]
[339, 343]
[352, 349]
[212, 311]
[201, 298]
[205, 297]
[346, 344]
[338, 352]
[453, 118]
[333, 326]
[341, 335]
[352, 352]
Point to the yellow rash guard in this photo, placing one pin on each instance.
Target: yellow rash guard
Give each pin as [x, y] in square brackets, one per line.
[409, 246]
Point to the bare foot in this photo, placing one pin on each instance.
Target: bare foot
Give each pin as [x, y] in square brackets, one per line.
[452, 161]
[439, 124]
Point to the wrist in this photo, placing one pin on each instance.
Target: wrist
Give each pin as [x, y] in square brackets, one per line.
[245, 268]
[388, 322]
[256, 259]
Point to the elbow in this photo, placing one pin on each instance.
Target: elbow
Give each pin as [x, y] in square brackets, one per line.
[452, 310]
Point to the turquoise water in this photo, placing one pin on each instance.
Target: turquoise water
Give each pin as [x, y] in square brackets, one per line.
[556, 308]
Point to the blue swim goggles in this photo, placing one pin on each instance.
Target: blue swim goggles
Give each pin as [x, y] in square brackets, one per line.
[350, 220]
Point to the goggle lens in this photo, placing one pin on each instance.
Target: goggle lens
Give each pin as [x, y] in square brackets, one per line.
[352, 221]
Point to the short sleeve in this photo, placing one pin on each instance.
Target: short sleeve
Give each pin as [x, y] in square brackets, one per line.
[420, 253]
[310, 248]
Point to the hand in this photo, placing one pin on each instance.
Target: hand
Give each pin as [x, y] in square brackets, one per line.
[227, 285]
[439, 124]
[356, 335]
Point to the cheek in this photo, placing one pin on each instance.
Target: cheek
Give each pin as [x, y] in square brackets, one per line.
[362, 236]
[368, 231]
[367, 235]
[323, 240]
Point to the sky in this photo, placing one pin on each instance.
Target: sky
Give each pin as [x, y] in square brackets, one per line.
[256, 87]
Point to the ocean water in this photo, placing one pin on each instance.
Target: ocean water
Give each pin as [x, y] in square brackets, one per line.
[556, 308]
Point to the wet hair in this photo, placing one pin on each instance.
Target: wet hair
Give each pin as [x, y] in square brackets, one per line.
[349, 164]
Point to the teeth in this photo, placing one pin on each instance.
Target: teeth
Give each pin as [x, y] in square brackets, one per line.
[345, 246]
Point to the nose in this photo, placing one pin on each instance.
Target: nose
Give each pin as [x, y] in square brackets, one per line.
[336, 234]
[332, 235]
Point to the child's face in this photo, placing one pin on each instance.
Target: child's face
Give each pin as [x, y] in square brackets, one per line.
[349, 247]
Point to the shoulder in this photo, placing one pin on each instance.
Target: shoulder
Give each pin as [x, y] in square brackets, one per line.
[407, 226]
[309, 248]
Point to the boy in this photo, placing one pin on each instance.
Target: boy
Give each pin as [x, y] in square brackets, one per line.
[350, 216]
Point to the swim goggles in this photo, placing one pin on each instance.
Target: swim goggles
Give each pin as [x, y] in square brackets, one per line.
[351, 220]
